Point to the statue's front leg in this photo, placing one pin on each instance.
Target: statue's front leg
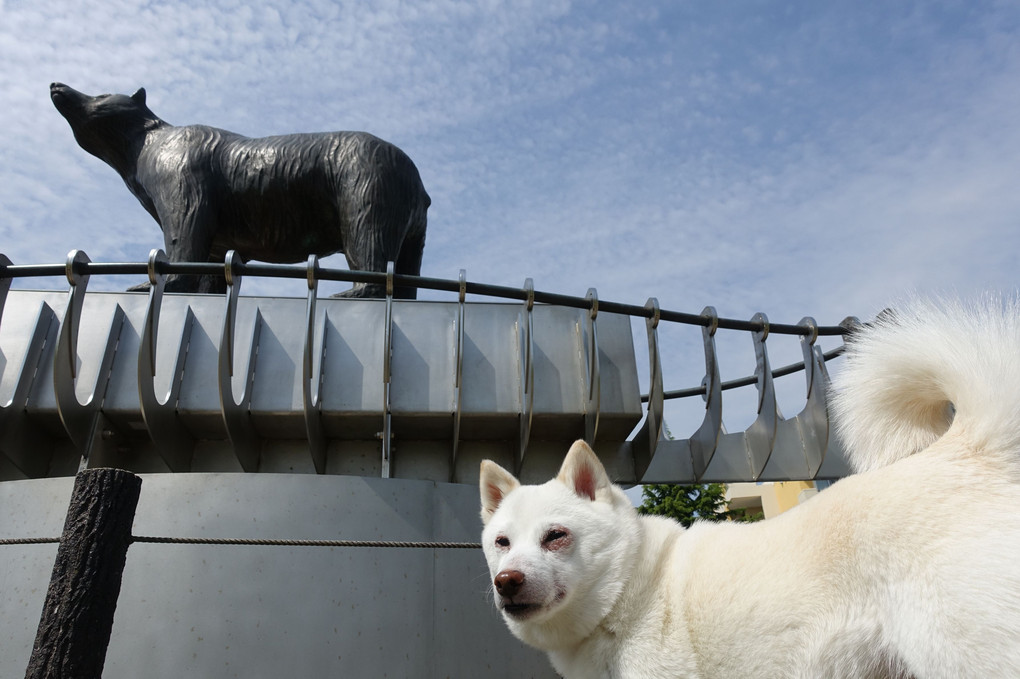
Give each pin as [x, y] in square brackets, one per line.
[189, 239]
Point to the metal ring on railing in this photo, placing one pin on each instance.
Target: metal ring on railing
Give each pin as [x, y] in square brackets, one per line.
[78, 282]
[812, 327]
[712, 315]
[764, 320]
[312, 272]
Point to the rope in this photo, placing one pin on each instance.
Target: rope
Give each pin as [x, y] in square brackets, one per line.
[266, 543]
[306, 543]
[28, 541]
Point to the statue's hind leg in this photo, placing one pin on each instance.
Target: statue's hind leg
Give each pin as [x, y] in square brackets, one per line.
[370, 243]
[409, 263]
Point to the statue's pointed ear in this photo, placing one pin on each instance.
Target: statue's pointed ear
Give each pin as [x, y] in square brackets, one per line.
[495, 483]
[582, 472]
[139, 96]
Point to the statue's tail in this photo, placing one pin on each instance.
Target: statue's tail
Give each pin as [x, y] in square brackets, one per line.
[931, 371]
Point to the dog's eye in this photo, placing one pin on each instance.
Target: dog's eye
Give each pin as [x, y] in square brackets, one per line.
[553, 535]
[503, 541]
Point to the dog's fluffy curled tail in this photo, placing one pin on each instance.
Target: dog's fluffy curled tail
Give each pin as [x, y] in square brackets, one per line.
[926, 368]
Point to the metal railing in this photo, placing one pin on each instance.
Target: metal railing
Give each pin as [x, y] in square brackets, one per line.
[772, 447]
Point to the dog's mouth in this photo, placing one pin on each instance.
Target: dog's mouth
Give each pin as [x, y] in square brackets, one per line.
[520, 611]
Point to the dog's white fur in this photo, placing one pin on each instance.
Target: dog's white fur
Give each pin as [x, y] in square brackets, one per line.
[909, 568]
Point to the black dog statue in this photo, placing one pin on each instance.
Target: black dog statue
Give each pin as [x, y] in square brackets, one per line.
[272, 199]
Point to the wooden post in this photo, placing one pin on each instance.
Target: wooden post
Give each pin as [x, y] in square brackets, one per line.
[77, 616]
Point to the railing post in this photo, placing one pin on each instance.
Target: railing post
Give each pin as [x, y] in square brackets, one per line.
[77, 617]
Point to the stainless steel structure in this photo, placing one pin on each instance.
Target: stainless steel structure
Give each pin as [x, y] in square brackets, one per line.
[390, 388]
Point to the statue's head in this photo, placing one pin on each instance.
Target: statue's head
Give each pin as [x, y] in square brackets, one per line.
[105, 125]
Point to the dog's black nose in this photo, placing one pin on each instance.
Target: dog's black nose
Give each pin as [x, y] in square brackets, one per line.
[508, 583]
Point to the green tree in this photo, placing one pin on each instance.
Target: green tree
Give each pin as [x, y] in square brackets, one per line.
[689, 503]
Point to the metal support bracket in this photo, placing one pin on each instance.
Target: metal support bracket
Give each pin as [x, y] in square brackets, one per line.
[592, 404]
[706, 439]
[804, 439]
[387, 432]
[236, 413]
[835, 465]
[760, 437]
[311, 384]
[646, 441]
[527, 372]
[79, 418]
[171, 438]
[814, 419]
[5, 284]
[458, 374]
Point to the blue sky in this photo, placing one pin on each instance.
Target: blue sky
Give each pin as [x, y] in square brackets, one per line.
[795, 158]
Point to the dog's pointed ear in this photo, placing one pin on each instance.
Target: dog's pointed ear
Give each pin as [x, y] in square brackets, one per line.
[139, 96]
[495, 483]
[582, 471]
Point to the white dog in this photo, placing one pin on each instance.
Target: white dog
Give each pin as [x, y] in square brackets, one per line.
[910, 568]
